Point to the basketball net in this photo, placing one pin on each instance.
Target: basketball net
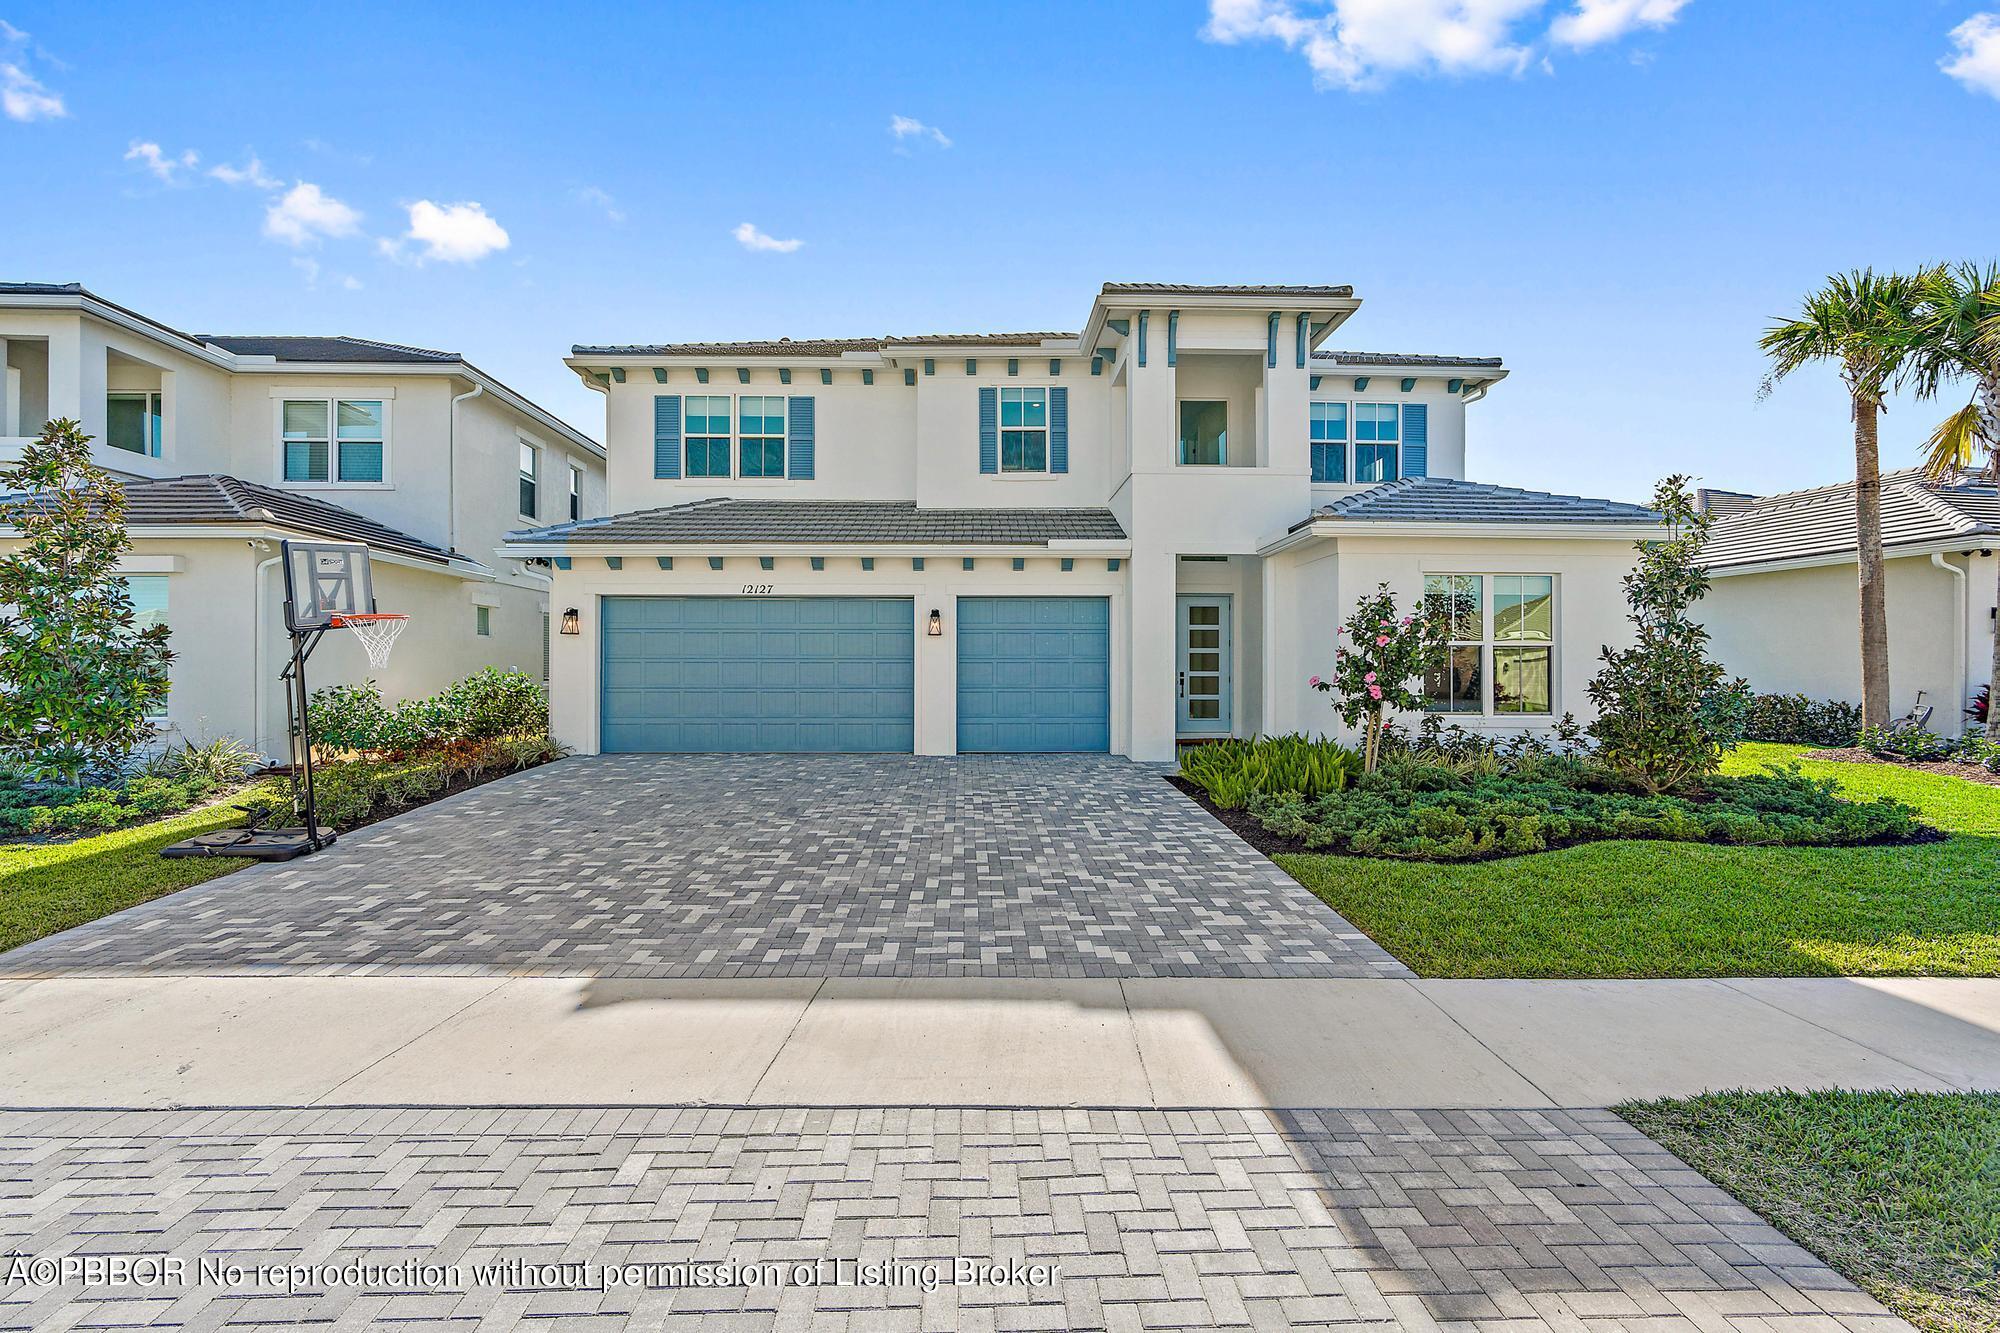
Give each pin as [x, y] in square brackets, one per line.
[375, 633]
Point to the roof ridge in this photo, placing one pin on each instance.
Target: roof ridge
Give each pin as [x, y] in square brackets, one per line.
[1924, 491]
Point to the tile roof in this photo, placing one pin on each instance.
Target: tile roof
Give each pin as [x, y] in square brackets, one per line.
[1223, 289]
[1808, 524]
[1442, 500]
[834, 521]
[214, 498]
[817, 347]
[1404, 359]
[329, 348]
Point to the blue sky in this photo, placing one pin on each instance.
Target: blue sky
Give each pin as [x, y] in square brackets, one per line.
[1615, 195]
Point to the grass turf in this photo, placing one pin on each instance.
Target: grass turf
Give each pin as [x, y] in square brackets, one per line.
[1900, 1192]
[45, 888]
[1655, 909]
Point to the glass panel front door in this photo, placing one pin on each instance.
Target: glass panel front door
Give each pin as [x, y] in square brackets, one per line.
[1203, 677]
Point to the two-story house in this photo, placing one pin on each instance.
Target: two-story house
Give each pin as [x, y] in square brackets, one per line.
[226, 445]
[1112, 540]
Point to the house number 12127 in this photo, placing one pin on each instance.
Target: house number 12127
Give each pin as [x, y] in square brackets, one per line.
[756, 590]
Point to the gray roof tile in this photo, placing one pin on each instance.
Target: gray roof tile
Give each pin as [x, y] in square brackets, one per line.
[326, 349]
[1223, 289]
[1442, 500]
[1803, 525]
[852, 522]
[819, 347]
[1405, 359]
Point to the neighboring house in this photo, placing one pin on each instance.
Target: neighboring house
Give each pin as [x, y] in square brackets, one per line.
[1105, 541]
[227, 445]
[1784, 611]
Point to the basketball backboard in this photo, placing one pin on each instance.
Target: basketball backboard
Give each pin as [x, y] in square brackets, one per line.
[324, 580]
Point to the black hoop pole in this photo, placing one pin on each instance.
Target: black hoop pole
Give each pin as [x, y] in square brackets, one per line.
[300, 707]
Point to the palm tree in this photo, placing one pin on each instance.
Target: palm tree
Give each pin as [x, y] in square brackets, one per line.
[1959, 339]
[1864, 322]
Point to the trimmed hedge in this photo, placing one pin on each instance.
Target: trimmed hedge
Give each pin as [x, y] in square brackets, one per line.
[357, 792]
[1795, 719]
[484, 706]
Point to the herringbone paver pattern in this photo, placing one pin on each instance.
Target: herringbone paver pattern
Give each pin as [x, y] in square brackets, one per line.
[759, 866]
[1474, 1222]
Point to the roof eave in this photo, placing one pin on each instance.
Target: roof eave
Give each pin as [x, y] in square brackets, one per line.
[1573, 530]
[1068, 546]
[1986, 539]
[1104, 306]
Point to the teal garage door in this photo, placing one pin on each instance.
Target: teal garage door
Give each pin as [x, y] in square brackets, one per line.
[756, 674]
[1034, 675]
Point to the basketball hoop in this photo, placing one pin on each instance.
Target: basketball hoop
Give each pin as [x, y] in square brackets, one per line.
[376, 633]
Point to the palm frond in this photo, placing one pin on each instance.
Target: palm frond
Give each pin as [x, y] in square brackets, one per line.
[1955, 446]
[1865, 321]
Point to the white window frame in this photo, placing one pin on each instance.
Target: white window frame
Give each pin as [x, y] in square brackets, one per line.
[333, 398]
[728, 438]
[156, 410]
[482, 621]
[737, 437]
[1346, 441]
[1355, 442]
[1488, 642]
[531, 475]
[1179, 404]
[575, 492]
[1001, 428]
[163, 704]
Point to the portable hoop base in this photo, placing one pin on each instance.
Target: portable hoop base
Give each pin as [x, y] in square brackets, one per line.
[264, 844]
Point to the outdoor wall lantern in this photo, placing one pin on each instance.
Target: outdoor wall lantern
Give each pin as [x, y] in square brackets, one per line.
[936, 630]
[569, 625]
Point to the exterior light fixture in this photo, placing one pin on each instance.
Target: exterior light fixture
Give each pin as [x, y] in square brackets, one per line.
[569, 625]
[936, 630]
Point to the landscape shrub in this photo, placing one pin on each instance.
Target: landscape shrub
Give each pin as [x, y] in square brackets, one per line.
[38, 809]
[1911, 744]
[1231, 772]
[487, 705]
[361, 790]
[493, 703]
[1428, 812]
[1796, 719]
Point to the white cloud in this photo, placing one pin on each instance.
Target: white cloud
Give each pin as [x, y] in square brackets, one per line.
[306, 213]
[23, 97]
[1977, 64]
[600, 198]
[450, 233]
[1595, 22]
[251, 173]
[150, 156]
[905, 127]
[351, 283]
[750, 238]
[309, 267]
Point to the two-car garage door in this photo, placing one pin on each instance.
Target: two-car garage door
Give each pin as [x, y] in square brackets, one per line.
[819, 674]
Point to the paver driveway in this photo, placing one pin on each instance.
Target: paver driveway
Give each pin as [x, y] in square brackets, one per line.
[760, 866]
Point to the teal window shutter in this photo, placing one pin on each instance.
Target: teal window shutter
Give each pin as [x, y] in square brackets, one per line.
[989, 430]
[799, 437]
[1416, 439]
[1058, 430]
[667, 436]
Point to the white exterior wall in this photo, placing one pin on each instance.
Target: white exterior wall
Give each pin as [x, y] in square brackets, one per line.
[1798, 631]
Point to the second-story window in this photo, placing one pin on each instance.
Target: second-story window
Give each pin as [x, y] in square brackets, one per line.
[761, 431]
[707, 435]
[530, 471]
[1204, 432]
[1329, 442]
[1024, 430]
[1375, 437]
[334, 440]
[132, 422]
[575, 495]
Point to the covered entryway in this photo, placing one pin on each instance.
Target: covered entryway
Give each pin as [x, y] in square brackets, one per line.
[757, 675]
[1034, 675]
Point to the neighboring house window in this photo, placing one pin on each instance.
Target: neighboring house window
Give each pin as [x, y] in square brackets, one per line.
[575, 493]
[132, 422]
[1024, 430]
[1204, 432]
[530, 463]
[482, 621]
[1375, 435]
[761, 430]
[707, 435]
[1329, 442]
[334, 440]
[1501, 662]
[149, 608]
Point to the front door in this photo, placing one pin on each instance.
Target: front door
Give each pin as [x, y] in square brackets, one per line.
[1203, 675]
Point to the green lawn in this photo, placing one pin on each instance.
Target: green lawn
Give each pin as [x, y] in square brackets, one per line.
[1900, 1192]
[1655, 909]
[45, 888]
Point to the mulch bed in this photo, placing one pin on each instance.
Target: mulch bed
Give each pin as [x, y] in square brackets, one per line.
[1244, 825]
[1854, 754]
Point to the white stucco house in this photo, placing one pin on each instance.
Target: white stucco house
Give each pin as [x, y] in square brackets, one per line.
[1783, 612]
[227, 445]
[1109, 540]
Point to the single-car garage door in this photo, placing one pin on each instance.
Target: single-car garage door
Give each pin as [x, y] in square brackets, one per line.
[757, 674]
[1034, 674]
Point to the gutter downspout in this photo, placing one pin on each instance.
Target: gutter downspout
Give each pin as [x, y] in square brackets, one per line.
[451, 467]
[1958, 627]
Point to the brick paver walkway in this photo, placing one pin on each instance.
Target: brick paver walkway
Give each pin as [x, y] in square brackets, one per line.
[1470, 1221]
[759, 866]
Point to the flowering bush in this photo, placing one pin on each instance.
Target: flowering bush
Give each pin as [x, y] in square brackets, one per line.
[1373, 669]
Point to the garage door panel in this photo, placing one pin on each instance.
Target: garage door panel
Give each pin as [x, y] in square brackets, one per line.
[1034, 674]
[757, 674]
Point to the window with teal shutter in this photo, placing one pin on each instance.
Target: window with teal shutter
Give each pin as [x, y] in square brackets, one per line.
[707, 435]
[989, 430]
[1416, 440]
[1329, 442]
[760, 423]
[1059, 430]
[667, 437]
[1024, 430]
[1375, 436]
[800, 423]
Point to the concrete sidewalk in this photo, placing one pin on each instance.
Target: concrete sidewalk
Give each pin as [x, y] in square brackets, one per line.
[460, 1041]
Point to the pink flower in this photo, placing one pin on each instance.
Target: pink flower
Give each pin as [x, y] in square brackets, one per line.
[1406, 622]
[1374, 691]
[1340, 629]
[1381, 641]
[1314, 682]
[1370, 678]
[1385, 623]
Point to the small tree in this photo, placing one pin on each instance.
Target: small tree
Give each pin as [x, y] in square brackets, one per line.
[1665, 711]
[1373, 671]
[81, 674]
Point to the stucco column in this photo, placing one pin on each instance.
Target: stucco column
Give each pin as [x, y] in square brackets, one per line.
[66, 387]
[1153, 652]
